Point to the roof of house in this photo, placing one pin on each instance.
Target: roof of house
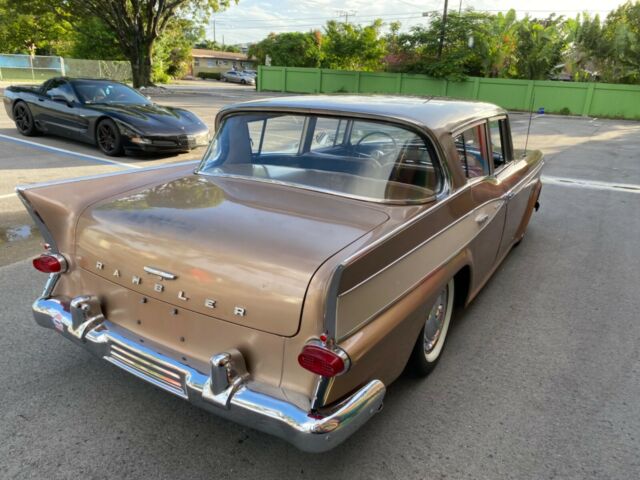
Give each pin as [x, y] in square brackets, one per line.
[204, 53]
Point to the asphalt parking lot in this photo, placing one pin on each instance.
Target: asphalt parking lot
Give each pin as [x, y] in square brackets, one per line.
[540, 378]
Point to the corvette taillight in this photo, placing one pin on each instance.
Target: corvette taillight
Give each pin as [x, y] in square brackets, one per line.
[50, 263]
[323, 361]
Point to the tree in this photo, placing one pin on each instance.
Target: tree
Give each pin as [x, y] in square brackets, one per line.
[295, 49]
[138, 24]
[213, 45]
[93, 40]
[172, 51]
[353, 47]
[32, 27]
[497, 44]
[541, 45]
[460, 55]
[621, 44]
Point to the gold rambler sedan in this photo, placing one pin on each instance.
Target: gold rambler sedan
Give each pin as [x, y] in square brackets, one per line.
[316, 251]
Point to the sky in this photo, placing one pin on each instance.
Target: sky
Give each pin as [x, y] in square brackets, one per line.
[252, 20]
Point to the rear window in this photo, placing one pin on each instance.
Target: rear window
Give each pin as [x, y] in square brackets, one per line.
[365, 159]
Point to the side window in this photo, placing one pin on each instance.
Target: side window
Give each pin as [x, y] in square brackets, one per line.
[255, 134]
[328, 132]
[282, 134]
[472, 151]
[499, 147]
[61, 88]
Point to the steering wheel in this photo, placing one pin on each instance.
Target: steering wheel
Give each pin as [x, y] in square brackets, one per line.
[378, 153]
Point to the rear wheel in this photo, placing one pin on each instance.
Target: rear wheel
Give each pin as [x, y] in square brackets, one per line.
[430, 343]
[24, 120]
[108, 138]
[243, 82]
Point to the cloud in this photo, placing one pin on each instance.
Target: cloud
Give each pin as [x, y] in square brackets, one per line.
[252, 20]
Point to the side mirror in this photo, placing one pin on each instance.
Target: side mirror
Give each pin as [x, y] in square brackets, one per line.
[62, 99]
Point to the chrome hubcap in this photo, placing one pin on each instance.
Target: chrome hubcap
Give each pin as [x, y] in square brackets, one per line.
[435, 321]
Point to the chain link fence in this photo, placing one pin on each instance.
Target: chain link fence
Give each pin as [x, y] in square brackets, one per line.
[39, 68]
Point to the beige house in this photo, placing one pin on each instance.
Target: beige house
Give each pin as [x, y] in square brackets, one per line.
[214, 61]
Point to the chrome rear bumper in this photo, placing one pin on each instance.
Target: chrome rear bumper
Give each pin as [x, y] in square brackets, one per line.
[226, 390]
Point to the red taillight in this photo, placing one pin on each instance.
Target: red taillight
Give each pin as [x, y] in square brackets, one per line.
[48, 263]
[321, 360]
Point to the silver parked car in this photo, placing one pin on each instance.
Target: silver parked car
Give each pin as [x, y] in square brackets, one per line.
[238, 77]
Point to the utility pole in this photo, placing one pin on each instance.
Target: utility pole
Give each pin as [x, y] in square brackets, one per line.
[214, 30]
[444, 28]
[346, 14]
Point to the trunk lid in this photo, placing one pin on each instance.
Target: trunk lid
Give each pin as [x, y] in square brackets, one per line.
[241, 251]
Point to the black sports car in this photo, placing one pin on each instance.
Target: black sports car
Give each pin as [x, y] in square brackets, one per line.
[110, 114]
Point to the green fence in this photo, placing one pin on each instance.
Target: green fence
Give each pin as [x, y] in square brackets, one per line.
[593, 99]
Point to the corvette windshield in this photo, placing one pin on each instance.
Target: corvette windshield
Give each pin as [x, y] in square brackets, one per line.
[101, 92]
[365, 159]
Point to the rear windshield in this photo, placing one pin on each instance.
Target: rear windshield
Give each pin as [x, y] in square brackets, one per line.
[365, 159]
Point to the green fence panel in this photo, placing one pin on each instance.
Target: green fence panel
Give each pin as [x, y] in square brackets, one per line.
[339, 81]
[271, 78]
[597, 99]
[422, 85]
[615, 101]
[556, 97]
[302, 80]
[379, 82]
[505, 93]
[464, 90]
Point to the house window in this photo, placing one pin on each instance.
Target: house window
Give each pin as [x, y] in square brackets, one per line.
[196, 62]
[210, 63]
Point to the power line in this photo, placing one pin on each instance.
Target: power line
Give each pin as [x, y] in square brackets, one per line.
[287, 22]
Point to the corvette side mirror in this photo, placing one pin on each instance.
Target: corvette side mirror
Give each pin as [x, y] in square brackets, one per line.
[62, 99]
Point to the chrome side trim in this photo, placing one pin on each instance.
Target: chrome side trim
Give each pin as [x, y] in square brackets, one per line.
[335, 193]
[405, 291]
[227, 390]
[331, 305]
[160, 273]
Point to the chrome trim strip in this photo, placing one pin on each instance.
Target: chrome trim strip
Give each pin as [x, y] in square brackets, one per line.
[160, 273]
[331, 307]
[335, 193]
[412, 286]
[243, 401]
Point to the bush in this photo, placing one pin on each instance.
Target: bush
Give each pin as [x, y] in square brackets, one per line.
[565, 111]
[210, 75]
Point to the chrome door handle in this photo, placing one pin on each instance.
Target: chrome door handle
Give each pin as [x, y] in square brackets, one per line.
[482, 218]
[509, 195]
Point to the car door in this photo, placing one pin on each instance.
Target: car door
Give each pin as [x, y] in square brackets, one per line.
[511, 174]
[488, 206]
[58, 111]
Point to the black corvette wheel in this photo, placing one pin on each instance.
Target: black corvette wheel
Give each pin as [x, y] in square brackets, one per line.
[108, 138]
[24, 120]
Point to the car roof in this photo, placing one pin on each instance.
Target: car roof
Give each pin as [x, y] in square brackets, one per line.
[436, 114]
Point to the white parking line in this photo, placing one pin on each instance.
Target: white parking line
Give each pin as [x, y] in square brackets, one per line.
[68, 152]
[591, 184]
[8, 195]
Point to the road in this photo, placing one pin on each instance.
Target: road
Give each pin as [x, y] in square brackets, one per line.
[540, 377]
